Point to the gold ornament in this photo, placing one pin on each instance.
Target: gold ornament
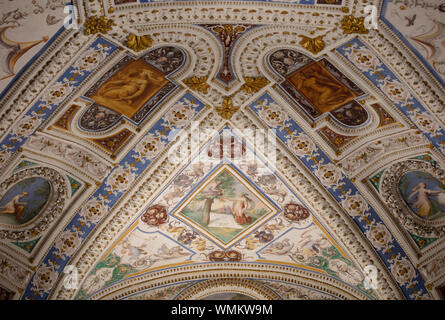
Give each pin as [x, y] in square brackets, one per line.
[351, 24]
[139, 43]
[198, 84]
[98, 24]
[227, 109]
[314, 45]
[253, 85]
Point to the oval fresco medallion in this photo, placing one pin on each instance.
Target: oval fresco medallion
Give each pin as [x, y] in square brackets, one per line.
[424, 194]
[24, 201]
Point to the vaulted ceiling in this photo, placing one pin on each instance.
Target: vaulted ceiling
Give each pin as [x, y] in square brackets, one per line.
[197, 149]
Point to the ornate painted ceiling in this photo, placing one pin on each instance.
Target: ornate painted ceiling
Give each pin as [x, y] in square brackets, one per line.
[199, 149]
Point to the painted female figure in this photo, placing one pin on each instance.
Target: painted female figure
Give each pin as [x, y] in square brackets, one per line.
[423, 203]
[15, 207]
[240, 206]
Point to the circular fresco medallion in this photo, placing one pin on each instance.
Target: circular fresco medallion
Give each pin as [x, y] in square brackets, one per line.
[424, 194]
[24, 201]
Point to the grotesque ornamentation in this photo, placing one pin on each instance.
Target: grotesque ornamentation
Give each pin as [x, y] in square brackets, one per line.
[230, 256]
[155, 216]
[295, 212]
[351, 114]
[65, 119]
[227, 34]
[339, 140]
[286, 61]
[98, 117]
[264, 236]
[115, 142]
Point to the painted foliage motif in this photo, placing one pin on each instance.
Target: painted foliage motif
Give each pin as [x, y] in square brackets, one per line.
[424, 194]
[24, 201]
[225, 206]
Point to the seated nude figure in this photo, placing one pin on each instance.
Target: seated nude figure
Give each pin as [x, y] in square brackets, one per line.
[128, 90]
[14, 206]
[127, 87]
[321, 89]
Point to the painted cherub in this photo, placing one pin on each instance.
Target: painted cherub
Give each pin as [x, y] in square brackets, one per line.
[14, 206]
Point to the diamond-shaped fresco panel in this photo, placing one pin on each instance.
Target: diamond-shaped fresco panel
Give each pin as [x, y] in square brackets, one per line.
[225, 207]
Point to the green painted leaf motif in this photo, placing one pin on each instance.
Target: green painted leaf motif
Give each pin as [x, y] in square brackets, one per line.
[24, 164]
[422, 242]
[27, 246]
[74, 184]
[375, 180]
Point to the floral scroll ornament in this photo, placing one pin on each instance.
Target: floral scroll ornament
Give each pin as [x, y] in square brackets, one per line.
[155, 216]
[227, 109]
[351, 24]
[231, 256]
[139, 43]
[295, 212]
[253, 85]
[198, 84]
[314, 45]
[264, 236]
[96, 25]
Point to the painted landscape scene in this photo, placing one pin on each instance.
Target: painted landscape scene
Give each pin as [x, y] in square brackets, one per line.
[225, 207]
